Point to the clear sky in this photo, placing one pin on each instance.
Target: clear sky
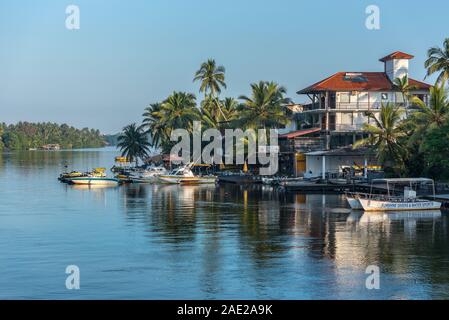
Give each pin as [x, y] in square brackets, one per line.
[128, 54]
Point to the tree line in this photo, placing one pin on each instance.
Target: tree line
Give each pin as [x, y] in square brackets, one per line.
[266, 107]
[27, 135]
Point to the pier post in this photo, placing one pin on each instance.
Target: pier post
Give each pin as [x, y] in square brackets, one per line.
[323, 167]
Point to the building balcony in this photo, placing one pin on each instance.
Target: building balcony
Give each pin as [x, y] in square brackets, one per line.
[348, 107]
[346, 127]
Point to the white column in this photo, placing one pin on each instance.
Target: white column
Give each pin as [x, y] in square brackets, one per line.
[323, 167]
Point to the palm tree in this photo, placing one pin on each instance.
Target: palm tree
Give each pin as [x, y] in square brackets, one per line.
[211, 119]
[153, 121]
[212, 78]
[438, 61]
[179, 111]
[403, 85]
[436, 112]
[265, 107]
[133, 142]
[384, 136]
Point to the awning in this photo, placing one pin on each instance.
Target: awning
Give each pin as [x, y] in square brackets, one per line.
[299, 133]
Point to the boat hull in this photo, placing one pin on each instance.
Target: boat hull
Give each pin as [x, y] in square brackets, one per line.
[354, 203]
[95, 181]
[380, 205]
[186, 180]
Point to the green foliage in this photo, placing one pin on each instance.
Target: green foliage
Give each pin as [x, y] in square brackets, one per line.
[266, 107]
[438, 61]
[435, 151]
[384, 137]
[133, 142]
[26, 135]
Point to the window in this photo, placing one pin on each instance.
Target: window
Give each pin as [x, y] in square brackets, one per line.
[384, 96]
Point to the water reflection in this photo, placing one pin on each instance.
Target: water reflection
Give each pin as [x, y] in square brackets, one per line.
[225, 241]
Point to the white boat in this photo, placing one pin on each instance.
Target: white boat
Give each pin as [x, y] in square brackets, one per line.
[184, 175]
[353, 201]
[407, 202]
[94, 181]
[149, 175]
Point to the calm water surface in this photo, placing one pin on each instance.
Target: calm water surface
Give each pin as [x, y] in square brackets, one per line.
[203, 242]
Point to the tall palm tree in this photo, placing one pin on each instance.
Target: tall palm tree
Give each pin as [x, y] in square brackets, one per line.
[265, 107]
[403, 85]
[438, 61]
[212, 78]
[153, 122]
[133, 142]
[436, 112]
[384, 136]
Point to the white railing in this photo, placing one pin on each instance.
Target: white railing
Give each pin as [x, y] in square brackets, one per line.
[347, 127]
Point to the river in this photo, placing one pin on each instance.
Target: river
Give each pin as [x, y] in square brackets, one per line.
[203, 242]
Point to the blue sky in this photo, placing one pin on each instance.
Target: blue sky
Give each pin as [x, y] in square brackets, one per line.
[128, 54]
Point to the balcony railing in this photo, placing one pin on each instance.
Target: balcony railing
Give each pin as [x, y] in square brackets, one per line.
[346, 127]
[350, 106]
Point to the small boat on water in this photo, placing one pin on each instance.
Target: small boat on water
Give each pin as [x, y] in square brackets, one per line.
[149, 175]
[184, 175]
[407, 202]
[95, 181]
[67, 176]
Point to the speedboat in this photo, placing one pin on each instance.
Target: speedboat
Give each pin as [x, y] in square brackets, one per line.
[95, 181]
[184, 175]
[148, 176]
[407, 202]
[68, 176]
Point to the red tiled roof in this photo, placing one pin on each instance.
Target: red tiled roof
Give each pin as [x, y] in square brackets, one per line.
[299, 133]
[372, 81]
[397, 55]
[419, 84]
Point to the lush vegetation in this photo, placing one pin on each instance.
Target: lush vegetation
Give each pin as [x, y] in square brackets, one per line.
[416, 145]
[264, 108]
[134, 143]
[26, 135]
[408, 142]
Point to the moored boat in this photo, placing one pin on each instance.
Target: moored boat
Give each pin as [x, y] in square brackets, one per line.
[94, 181]
[353, 201]
[407, 202]
[149, 175]
[184, 175]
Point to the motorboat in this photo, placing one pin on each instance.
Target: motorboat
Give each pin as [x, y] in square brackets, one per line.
[68, 176]
[95, 181]
[407, 202]
[184, 175]
[149, 175]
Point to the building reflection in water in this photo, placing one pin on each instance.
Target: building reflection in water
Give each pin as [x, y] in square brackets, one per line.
[263, 226]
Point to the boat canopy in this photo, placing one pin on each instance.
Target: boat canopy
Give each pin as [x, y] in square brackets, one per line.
[404, 180]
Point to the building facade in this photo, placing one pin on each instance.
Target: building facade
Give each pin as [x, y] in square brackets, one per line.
[339, 103]
[337, 111]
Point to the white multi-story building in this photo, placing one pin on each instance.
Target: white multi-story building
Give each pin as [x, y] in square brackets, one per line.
[339, 103]
[335, 116]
